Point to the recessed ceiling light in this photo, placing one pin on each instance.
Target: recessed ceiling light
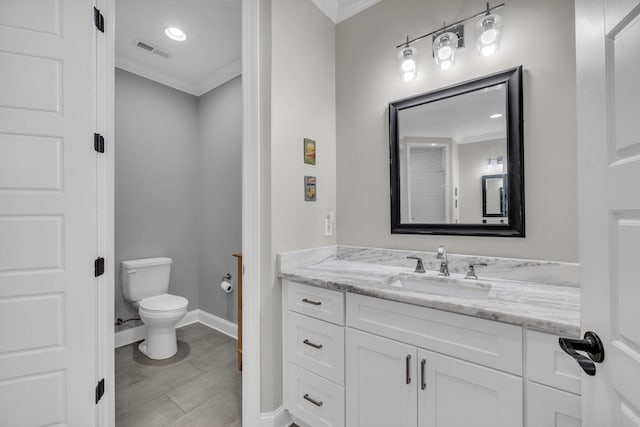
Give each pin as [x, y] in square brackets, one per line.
[175, 34]
[495, 116]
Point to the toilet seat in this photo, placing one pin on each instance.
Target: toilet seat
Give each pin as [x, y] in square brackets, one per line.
[164, 303]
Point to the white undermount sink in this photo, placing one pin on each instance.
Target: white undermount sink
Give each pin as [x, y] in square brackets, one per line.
[444, 286]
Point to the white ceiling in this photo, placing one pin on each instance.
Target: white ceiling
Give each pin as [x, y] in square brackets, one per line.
[339, 10]
[209, 57]
[464, 118]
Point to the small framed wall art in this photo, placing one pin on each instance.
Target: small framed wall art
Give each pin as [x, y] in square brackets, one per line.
[310, 188]
[309, 146]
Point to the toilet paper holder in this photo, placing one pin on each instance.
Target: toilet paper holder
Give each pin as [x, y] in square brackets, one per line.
[226, 277]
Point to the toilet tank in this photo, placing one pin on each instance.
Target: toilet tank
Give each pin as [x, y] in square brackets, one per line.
[143, 278]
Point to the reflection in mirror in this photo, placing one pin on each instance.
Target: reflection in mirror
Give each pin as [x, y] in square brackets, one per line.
[456, 159]
[445, 148]
[494, 201]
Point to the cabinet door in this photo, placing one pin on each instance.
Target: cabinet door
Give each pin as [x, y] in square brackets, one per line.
[549, 407]
[380, 382]
[454, 393]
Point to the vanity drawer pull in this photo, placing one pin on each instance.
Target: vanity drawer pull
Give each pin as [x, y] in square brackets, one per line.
[308, 301]
[309, 343]
[312, 400]
[423, 379]
[408, 366]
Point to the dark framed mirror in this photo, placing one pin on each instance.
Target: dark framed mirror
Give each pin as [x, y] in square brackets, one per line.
[494, 196]
[457, 159]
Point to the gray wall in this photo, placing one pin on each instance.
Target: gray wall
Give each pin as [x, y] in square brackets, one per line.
[220, 198]
[367, 79]
[156, 171]
[178, 186]
[301, 91]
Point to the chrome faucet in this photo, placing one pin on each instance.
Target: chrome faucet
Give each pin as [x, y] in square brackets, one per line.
[419, 264]
[471, 271]
[444, 265]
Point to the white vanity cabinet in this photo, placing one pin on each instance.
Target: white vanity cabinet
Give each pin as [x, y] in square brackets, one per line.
[313, 337]
[374, 362]
[394, 383]
[381, 381]
[553, 383]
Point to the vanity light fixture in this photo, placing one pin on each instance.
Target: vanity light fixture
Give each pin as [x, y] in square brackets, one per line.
[499, 164]
[407, 60]
[175, 34]
[444, 50]
[489, 164]
[488, 33]
[447, 39]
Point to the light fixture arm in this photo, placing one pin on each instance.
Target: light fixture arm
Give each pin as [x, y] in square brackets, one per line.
[444, 27]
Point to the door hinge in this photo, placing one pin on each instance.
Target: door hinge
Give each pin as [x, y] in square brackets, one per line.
[98, 142]
[98, 19]
[98, 267]
[99, 390]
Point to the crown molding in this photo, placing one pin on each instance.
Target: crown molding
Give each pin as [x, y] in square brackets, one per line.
[328, 7]
[219, 77]
[339, 10]
[347, 9]
[152, 74]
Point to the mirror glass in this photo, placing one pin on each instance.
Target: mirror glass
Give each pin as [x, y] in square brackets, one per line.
[455, 155]
[494, 198]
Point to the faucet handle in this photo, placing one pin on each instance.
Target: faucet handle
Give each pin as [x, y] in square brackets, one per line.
[419, 264]
[471, 271]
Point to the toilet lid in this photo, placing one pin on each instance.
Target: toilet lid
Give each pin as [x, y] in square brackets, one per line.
[164, 302]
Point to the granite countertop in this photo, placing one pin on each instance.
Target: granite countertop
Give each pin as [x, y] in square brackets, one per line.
[550, 308]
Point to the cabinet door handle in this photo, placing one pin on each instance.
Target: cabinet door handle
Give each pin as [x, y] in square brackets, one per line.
[309, 343]
[423, 379]
[312, 400]
[308, 301]
[408, 366]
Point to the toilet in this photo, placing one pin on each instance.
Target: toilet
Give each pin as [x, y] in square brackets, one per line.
[145, 283]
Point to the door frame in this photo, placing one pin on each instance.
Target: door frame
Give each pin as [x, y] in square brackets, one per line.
[105, 125]
[251, 217]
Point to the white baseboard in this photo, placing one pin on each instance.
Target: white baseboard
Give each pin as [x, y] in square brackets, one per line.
[278, 418]
[127, 336]
[218, 323]
[137, 333]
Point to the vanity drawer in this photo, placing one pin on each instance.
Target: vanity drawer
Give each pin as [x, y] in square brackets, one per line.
[317, 346]
[314, 400]
[548, 364]
[493, 344]
[320, 303]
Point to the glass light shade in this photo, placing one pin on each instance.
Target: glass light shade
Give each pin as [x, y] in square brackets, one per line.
[408, 63]
[489, 165]
[488, 34]
[444, 50]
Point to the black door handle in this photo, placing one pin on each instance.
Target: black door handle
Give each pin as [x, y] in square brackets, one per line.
[591, 345]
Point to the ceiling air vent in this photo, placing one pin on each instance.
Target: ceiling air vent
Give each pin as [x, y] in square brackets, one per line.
[153, 49]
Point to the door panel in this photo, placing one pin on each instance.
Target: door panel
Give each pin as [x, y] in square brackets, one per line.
[48, 213]
[377, 393]
[607, 63]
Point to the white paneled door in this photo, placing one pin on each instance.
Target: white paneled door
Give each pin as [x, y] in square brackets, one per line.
[608, 89]
[48, 211]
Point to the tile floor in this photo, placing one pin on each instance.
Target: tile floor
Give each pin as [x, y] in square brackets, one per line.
[199, 386]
